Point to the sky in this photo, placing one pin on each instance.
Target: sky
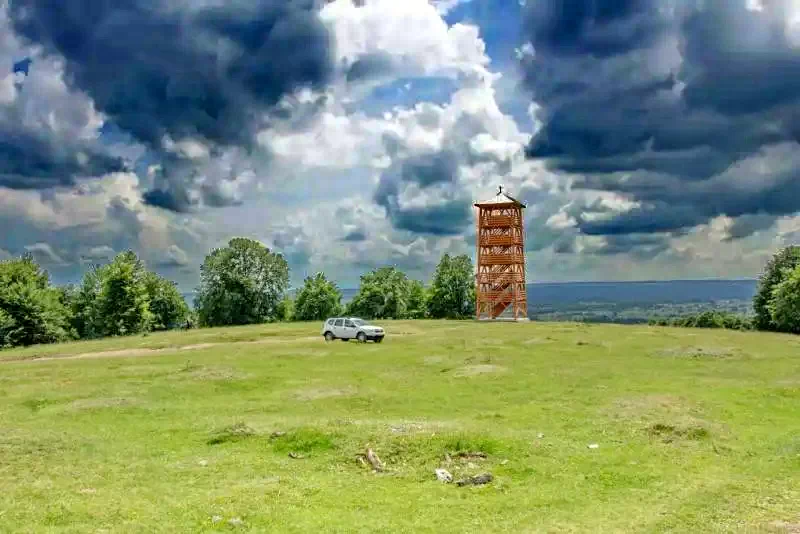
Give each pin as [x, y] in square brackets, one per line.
[649, 139]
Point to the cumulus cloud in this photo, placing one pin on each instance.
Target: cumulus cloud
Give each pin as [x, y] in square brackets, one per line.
[48, 133]
[44, 254]
[68, 229]
[689, 109]
[442, 156]
[375, 38]
[168, 75]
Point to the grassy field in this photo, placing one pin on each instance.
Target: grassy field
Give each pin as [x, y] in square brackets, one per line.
[260, 428]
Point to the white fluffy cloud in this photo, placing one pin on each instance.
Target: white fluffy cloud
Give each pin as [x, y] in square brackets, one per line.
[409, 38]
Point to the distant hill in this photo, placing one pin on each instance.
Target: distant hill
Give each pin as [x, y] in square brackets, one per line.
[672, 291]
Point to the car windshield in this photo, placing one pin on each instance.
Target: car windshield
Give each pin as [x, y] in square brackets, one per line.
[359, 322]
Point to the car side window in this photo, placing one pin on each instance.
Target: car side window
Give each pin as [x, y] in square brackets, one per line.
[338, 322]
[349, 324]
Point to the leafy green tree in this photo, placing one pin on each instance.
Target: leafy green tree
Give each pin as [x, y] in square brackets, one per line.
[417, 300]
[166, 303]
[31, 310]
[122, 304]
[785, 304]
[452, 292]
[242, 283]
[285, 310]
[319, 299]
[383, 294]
[82, 301]
[776, 270]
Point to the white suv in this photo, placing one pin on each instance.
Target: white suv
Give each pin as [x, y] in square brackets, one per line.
[347, 328]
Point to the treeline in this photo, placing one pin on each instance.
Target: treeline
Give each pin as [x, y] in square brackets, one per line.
[241, 283]
[776, 304]
[707, 319]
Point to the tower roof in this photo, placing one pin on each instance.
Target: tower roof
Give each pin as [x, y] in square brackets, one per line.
[500, 198]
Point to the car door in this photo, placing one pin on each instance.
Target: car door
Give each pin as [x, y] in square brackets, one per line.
[338, 328]
[349, 329]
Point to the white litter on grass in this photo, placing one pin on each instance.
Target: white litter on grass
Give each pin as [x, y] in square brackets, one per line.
[594, 446]
[444, 475]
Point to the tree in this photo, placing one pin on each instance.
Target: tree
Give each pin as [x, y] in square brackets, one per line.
[31, 310]
[122, 303]
[167, 305]
[777, 268]
[784, 306]
[285, 310]
[242, 283]
[82, 301]
[383, 294]
[417, 300]
[452, 293]
[317, 300]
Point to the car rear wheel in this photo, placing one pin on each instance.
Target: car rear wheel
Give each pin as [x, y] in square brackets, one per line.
[328, 336]
[362, 338]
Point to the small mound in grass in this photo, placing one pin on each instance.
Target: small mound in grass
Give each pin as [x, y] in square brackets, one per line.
[670, 433]
[231, 434]
[304, 440]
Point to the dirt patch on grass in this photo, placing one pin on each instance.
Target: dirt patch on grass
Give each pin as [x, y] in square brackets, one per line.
[138, 352]
[538, 341]
[102, 402]
[210, 373]
[700, 353]
[481, 369]
[785, 527]
[312, 394]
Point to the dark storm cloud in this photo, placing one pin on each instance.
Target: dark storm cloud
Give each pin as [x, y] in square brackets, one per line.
[448, 216]
[664, 103]
[370, 66]
[29, 160]
[642, 246]
[598, 27]
[208, 73]
[356, 236]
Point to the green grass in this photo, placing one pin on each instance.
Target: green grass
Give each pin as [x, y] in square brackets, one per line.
[261, 428]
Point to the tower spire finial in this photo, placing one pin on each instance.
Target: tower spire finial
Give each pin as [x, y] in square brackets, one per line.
[500, 192]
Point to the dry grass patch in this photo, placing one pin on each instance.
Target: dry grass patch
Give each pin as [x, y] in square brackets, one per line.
[210, 373]
[312, 394]
[103, 402]
[701, 352]
[480, 369]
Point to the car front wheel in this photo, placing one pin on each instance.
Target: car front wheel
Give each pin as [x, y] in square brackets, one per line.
[328, 336]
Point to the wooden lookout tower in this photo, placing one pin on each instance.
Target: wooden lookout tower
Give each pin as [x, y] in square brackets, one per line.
[501, 292]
